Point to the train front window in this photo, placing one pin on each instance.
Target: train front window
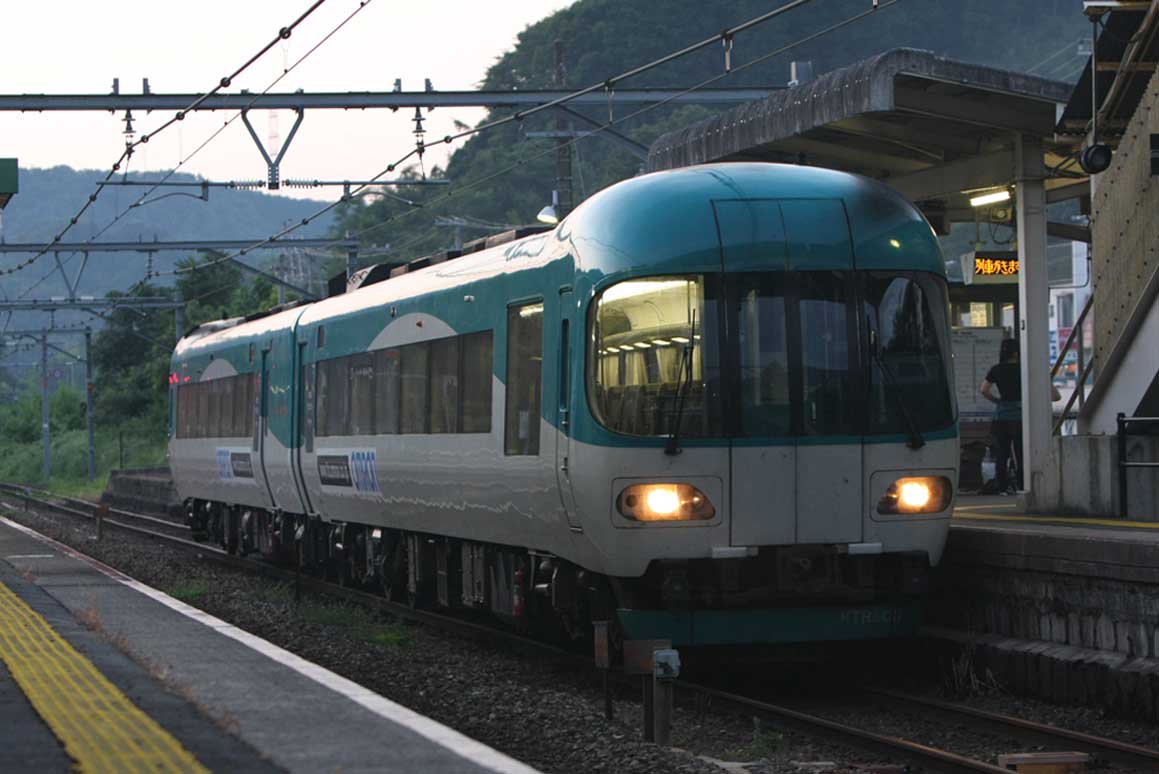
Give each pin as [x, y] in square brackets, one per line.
[765, 404]
[652, 355]
[908, 334]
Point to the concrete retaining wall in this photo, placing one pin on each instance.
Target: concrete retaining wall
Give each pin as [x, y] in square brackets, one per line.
[1088, 477]
[1066, 614]
[148, 490]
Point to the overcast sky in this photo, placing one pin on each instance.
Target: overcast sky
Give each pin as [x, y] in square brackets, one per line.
[79, 46]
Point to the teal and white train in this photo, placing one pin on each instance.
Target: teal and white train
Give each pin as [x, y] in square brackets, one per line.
[713, 405]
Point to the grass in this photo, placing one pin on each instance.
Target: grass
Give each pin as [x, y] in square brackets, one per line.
[22, 462]
[765, 743]
[357, 623]
[188, 591]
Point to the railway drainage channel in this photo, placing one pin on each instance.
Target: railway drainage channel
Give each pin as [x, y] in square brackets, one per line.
[544, 705]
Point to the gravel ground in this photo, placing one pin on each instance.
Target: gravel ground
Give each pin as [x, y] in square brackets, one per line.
[541, 711]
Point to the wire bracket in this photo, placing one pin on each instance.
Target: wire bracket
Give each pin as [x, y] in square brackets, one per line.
[273, 165]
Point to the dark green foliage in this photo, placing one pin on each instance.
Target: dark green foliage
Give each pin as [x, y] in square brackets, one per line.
[502, 177]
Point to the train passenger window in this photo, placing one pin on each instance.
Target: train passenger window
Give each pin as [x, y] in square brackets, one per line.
[203, 410]
[213, 422]
[444, 385]
[647, 360]
[475, 387]
[829, 397]
[360, 371]
[414, 378]
[229, 389]
[386, 391]
[766, 409]
[524, 378]
[907, 318]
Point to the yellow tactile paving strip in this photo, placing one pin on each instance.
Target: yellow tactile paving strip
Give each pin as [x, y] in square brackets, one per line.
[1078, 521]
[97, 724]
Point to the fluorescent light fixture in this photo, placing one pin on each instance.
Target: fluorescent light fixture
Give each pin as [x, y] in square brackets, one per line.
[990, 198]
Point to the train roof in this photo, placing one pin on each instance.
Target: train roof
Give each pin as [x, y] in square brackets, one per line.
[655, 223]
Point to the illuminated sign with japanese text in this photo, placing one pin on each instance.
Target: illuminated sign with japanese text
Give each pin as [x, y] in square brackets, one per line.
[995, 267]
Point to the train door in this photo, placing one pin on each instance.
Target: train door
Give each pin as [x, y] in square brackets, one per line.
[563, 401]
[262, 426]
[828, 381]
[763, 456]
[303, 423]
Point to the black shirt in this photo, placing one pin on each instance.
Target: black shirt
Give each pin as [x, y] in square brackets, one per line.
[1008, 377]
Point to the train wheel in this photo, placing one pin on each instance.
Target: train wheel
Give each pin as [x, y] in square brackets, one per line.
[232, 531]
[394, 568]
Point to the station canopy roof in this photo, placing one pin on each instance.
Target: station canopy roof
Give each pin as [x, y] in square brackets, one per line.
[934, 128]
[1125, 58]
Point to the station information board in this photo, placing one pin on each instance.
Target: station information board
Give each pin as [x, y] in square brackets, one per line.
[975, 351]
[990, 268]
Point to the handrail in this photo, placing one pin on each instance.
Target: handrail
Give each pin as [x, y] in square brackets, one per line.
[1123, 430]
[1082, 380]
[1078, 326]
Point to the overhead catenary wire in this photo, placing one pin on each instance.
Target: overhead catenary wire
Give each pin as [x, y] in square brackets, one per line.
[520, 115]
[141, 199]
[282, 34]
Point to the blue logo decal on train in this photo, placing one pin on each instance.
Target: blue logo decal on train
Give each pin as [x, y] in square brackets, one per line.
[362, 471]
[224, 468]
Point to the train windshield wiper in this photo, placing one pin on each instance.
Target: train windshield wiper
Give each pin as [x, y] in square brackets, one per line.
[683, 382]
[916, 440]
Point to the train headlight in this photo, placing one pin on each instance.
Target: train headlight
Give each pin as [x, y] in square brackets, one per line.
[664, 502]
[916, 494]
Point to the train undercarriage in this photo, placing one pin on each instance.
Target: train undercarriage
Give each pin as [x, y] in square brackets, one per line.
[766, 596]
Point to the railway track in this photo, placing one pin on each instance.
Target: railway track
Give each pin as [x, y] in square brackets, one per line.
[924, 756]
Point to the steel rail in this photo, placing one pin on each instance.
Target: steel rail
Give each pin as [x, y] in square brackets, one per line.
[922, 755]
[1109, 749]
[449, 624]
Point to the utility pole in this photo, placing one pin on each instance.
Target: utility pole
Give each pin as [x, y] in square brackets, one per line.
[179, 312]
[89, 402]
[351, 260]
[46, 467]
[563, 171]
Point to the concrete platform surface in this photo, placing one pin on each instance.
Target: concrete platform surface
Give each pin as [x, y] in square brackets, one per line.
[235, 701]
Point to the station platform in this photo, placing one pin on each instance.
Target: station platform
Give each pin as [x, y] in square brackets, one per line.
[196, 695]
[998, 531]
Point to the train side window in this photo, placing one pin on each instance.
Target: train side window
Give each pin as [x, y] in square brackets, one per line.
[361, 372]
[386, 391]
[524, 378]
[251, 381]
[338, 410]
[444, 385]
[203, 410]
[323, 384]
[414, 378]
[475, 389]
[228, 389]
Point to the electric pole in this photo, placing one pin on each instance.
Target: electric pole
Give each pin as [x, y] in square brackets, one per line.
[563, 170]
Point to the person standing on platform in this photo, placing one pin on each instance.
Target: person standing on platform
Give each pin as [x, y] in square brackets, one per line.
[1006, 429]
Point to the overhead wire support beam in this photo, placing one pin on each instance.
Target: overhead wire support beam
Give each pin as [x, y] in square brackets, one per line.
[187, 245]
[392, 100]
[60, 304]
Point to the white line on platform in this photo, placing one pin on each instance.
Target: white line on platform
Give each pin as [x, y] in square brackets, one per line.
[31, 556]
[462, 745]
